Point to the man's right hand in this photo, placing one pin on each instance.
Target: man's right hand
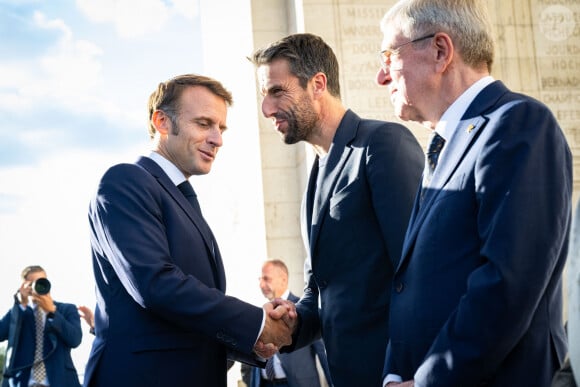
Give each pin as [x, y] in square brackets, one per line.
[277, 330]
[24, 292]
[288, 313]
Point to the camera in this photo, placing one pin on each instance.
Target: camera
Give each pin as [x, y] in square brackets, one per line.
[41, 286]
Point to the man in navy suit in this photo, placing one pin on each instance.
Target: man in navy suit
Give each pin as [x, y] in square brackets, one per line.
[477, 294]
[355, 209]
[297, 368]
[48, 362]
[162, 315]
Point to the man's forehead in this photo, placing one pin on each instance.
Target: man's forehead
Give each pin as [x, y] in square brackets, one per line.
[263, 75]
[390, 36]
[274, 72]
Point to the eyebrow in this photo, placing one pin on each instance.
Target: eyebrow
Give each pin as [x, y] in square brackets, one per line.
[272, 89]
[209, 121]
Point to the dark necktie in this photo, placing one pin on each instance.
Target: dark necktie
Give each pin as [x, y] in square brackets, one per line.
[39, 370]
[431, 159]
[270, 373]
[187, 191]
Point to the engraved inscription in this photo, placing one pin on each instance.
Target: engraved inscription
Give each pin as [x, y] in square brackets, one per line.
[557, 22]
[360, 43]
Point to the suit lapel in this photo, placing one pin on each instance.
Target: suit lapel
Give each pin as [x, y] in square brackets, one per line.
[458, 145]
[337, 156]
[466, 133]
[200, 223]
[308, 199]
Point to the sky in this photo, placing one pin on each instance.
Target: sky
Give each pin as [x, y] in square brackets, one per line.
[75, 76]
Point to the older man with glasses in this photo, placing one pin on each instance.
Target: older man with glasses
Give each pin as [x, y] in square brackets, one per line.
[478, 289]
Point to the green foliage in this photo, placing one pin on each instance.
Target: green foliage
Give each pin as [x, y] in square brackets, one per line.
[2, 358]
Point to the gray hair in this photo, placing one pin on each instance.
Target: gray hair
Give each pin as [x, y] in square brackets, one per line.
[465, 21]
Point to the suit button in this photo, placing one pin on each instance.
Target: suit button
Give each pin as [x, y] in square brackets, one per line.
[322, 284]
[399, 287]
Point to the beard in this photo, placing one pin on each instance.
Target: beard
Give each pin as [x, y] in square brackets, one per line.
[301, 119]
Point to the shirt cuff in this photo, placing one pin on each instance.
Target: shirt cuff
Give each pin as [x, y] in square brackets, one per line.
[261, 327]
[392, 378]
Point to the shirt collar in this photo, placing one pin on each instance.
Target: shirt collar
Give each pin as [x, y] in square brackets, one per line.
[168, 167]
[450, 119]
[285, 295]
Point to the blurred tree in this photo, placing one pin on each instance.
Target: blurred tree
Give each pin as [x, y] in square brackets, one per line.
[2, 357]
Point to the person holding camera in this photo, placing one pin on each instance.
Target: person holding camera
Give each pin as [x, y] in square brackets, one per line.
[41, 333]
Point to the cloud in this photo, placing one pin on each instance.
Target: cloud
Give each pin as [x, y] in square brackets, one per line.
[69, 82]
[186, 8]
[67, 71]
[54, 96]
[131, 18]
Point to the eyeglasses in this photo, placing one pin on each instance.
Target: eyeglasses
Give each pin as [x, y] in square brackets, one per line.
[385, 55]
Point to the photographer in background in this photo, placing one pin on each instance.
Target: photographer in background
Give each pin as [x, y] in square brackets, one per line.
[40, 334]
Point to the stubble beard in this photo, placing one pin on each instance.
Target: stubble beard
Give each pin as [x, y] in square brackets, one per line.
[302, 121]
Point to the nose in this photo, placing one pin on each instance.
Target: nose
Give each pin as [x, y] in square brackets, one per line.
[215, 137]
[383, 78]
[268, 108]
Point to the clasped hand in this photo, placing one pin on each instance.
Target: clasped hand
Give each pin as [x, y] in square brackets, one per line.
[281, 321]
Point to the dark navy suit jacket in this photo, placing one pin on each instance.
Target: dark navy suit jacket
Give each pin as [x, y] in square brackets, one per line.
[62, 332]
[477, 296]
[162, 318]
[353, 226]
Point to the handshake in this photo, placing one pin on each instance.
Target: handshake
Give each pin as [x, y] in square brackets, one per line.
[281, 321]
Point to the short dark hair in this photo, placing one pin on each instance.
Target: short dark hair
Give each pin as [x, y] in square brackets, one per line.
[307, 54]
[166, 97]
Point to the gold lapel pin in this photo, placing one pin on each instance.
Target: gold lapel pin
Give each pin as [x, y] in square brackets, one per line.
[470, 128]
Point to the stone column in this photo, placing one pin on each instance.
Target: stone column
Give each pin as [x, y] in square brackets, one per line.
[284, 167]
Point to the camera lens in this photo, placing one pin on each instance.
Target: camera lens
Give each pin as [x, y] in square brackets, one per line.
[41, 286]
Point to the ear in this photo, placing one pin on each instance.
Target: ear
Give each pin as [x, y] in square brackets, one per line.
[318, 84]
[445, 51]
[161, 122]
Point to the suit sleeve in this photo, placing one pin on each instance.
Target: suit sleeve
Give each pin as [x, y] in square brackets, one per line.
[523, 179]
[66, 325]
[309, 318]
[394, 165]
[5, 326]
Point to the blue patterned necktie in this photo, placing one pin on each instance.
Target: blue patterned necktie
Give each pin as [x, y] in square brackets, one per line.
[431, 159]
[270, 374]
